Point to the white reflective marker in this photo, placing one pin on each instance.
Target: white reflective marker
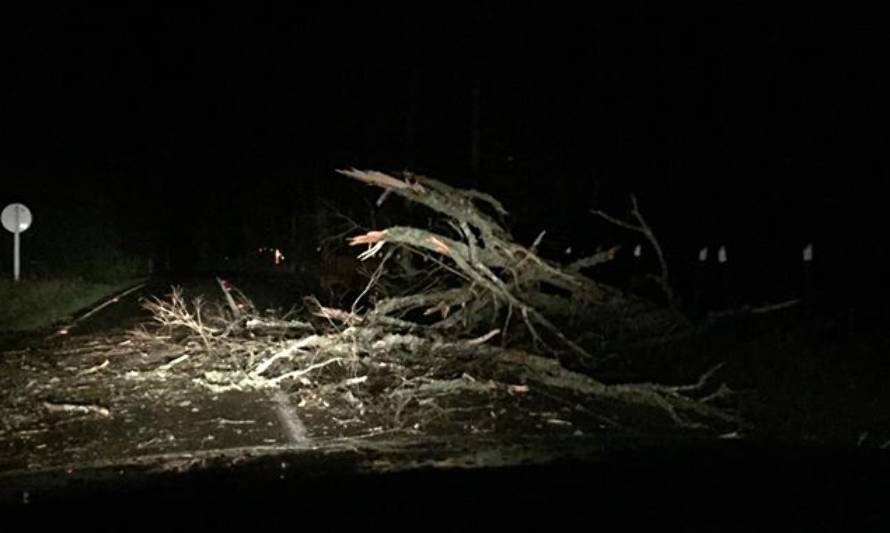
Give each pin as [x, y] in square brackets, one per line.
[638, 250]
[721, 255]
[808, 253]
[703, 254]
[16, 218]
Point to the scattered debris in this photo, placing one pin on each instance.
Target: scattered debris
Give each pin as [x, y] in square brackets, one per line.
[408, 346]
[484, 328]
[81, 409]
[174, 362]
[95, 368]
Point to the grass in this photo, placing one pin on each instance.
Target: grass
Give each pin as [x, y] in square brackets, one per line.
[816, 375]
[35, 304]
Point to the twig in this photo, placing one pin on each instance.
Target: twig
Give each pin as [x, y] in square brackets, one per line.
[287, 353]
[96, 368]
[538, 240]
[642, 227]
[114, 299]
[702, 381]
[82, 409]
[267, 323]
[340, 315]
[307, 370]
[174, 313]
[227, 422]
[487, 198]
[233, 307]
[595, 259]
[354, 381]
[380, 179]
[174, 362]
[375, 277]
[722, 392]
[371, 251]
[483, 339]
[774, 307]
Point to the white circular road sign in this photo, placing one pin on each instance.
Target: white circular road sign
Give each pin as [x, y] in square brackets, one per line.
[16, 218]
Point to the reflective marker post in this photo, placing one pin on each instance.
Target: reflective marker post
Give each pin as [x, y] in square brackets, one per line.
[16, 218]
[725, 299]
[807, 291]
[701, 284]
[16, 247]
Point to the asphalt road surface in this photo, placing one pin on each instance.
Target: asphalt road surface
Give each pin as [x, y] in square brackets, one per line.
[264, 465]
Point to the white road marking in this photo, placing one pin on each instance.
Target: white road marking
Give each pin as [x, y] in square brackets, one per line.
[290, 422]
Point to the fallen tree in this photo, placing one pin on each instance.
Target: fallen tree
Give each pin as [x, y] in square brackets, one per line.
[489, 279]
[492, 318]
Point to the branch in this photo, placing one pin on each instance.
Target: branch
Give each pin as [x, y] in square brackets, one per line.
[379, 179]
[594, 260]
[307, 370]
[642, 227]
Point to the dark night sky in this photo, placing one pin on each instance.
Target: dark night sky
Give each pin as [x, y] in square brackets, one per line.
[724, 123]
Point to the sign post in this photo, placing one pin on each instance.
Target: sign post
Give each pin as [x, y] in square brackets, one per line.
[16, 218]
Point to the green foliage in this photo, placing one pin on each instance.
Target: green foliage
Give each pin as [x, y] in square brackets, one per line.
[33, 304]
[75, 254]
[103, 265]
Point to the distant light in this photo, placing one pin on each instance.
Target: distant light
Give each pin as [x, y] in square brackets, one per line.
[703, 254]
[63, 331]
[808, 253]
[279, 257]
[721, 255]
[569, 250]
[638, 250]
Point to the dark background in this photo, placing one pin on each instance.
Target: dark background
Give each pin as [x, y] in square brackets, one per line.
[151, 129]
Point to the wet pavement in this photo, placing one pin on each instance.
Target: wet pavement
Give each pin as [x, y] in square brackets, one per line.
[91, 421]
[689, 485]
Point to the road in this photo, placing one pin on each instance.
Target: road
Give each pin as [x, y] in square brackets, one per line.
[92, 421]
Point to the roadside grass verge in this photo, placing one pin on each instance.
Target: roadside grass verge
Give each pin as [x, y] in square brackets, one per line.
[35, 304]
